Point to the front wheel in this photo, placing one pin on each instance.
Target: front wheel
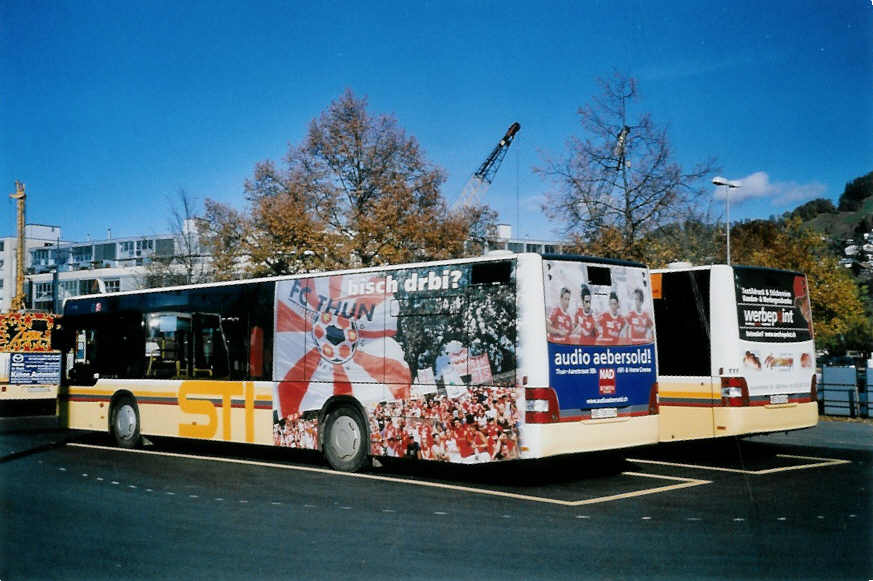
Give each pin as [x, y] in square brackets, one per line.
[124, 422]
[345, 439]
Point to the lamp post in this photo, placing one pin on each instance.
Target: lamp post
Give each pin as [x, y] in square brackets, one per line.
[728, 186]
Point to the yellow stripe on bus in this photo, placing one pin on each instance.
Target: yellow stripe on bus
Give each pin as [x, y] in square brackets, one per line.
[689, 395]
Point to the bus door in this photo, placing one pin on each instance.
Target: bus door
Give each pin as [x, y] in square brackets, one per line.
[687, 388]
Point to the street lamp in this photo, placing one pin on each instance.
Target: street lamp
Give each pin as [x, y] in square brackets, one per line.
[728, 185]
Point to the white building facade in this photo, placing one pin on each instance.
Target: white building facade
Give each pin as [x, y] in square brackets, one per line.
[36, 236]
[505, 241]
[104, 266]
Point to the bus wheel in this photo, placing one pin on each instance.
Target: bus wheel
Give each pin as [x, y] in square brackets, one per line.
[345, 439]
[124, 422]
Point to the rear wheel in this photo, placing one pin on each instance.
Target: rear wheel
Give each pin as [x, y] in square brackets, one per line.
[345, 439]
[124, 422]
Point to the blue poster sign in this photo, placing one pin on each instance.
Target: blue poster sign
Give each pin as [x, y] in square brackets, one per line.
[35, 368]
[586, 377]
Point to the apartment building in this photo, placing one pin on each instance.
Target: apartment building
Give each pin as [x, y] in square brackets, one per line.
[36, 236]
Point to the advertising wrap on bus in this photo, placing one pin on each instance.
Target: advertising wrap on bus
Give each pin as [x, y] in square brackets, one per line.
[430, 352]
[600, 327]
[775, 330]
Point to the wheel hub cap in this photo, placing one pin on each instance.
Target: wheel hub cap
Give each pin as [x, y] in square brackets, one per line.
[125, 422]
[346, 437]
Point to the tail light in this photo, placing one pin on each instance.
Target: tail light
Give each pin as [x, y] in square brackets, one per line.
[654, 400]
[734, 392]
[813, 389]
[541, 405]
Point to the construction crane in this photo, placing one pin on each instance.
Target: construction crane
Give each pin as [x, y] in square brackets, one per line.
[482, 177]
[18, 301]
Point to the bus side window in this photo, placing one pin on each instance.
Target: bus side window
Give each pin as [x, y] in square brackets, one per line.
[83, 371]
[210, 347]
[168, 344]
[106, 349]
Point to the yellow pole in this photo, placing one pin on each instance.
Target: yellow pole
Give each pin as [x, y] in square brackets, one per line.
[18, 301]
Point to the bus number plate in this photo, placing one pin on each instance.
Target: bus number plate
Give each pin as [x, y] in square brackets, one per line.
[777, 399]
[603, 413]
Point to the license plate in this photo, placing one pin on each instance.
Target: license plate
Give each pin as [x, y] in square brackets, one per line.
[602, 413]
[776, 399]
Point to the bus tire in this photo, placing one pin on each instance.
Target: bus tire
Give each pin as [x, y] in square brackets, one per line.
[124, 422]
[345, 439]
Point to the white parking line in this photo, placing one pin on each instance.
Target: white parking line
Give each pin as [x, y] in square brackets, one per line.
[683, 482]
[821, 463]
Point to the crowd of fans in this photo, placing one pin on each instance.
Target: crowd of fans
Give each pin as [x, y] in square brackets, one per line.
[296, 432]
[479, 426]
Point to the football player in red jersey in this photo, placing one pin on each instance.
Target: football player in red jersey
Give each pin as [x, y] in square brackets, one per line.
[611, 324]
[585, 325]
[559, 323]
[639, 323]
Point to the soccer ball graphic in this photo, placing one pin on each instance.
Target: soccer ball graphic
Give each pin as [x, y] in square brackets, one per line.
[336, 337]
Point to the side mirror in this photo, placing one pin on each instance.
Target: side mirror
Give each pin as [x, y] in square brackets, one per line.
[83, 374]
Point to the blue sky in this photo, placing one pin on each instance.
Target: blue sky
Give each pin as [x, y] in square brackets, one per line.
[107, 109]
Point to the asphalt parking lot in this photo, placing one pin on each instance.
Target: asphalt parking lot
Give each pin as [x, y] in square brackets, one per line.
[795, 505]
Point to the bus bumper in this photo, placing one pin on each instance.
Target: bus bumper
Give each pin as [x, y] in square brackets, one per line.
[542, 440]
[764, 419]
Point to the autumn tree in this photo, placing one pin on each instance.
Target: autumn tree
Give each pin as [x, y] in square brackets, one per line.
[837, 309]
[224, 232]
[619, 180]
[356, 192]
[693, 240]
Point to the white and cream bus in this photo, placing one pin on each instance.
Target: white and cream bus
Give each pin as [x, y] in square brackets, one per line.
[735, 351]
[466, 361]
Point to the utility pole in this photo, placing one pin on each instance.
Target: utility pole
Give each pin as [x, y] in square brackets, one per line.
[728, 186]
[18, 301]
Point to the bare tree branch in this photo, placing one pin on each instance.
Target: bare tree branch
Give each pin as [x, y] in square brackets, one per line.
[618, 181]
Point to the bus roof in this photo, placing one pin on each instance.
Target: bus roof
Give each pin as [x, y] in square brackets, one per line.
[497, 256]
[594, 259]
[246, 281]
[711, 266]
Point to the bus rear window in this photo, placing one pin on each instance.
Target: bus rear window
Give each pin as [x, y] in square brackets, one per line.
[599, 275]
[682, 321]
[491, 273]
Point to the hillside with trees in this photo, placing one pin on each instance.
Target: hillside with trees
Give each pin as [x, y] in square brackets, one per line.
[852, 216]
